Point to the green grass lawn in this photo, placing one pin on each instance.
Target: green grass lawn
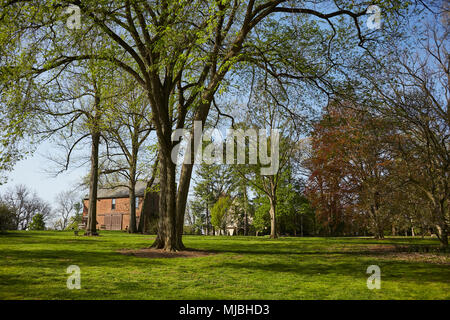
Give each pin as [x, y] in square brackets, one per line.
[33, 266]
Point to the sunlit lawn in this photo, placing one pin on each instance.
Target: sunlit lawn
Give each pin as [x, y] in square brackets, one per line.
[33, 266]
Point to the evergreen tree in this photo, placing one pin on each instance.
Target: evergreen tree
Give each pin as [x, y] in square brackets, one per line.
[38, 222]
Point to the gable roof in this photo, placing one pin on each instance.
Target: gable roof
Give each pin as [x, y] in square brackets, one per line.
[121, 191]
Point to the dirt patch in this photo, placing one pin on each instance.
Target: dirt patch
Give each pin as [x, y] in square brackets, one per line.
[403, 253]
[421, 257]
[381, 248]
[158, 253]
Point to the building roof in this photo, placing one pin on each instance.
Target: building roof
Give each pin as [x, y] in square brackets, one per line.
[121, 191]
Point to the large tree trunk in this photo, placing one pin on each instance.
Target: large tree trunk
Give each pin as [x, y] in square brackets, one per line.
[182, 194]
[149, 216]
[142, 217]
[378, 227]
[167, 225]
[132, 225]
[172, 202]
[145, 219]
[91, 227]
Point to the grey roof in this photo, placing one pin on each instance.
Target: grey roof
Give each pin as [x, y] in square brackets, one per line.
[121, 191]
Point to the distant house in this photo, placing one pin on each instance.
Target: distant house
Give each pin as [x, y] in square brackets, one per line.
[235, 221]
[113, 207]
[234, 226]
[231, 228]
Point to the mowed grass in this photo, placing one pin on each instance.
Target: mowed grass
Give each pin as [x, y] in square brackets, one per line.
[33, 266]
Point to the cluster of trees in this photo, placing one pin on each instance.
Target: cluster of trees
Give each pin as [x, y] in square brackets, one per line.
[224, 199]
[380, 165]
[133, 67]
[22, 209]
[242, 195]
[19, 208]
[68, 211]
[376, 174]
[375, 164]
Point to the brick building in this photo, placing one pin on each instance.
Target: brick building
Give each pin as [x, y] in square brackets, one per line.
[113, 207]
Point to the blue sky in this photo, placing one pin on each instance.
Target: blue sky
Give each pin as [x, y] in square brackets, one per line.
[31, 172]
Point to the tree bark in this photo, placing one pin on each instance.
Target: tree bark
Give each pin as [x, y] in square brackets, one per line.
[444, 239]
[301, 225]
[378, 230]
[132, 225]
[245, 212]
[142, 217]
[207, 218]
[145, 218]
[273, 217]
[172, 201]
[148, 219]
[91, 227]
[444, 222]
[442, 234]
[182, 194]
[167, 225]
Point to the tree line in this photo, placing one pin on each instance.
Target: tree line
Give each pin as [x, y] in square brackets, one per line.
[136, 70]
[22, 209]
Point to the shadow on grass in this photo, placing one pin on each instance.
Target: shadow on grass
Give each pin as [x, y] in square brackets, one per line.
[283, 249]
[50, 258]
[390, 270]
[65, 237]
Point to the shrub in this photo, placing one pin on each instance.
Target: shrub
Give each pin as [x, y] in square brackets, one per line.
[7, 218]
